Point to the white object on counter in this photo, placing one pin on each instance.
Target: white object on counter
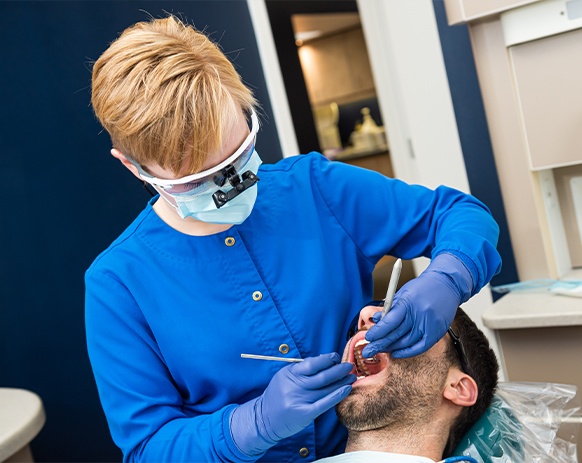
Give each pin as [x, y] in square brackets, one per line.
[368, 135]
[21, 419]
[567, 288]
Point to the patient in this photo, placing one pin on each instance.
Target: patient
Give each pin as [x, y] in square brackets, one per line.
[416, 409]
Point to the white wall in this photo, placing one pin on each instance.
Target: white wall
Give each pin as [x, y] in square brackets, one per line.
[273, 77]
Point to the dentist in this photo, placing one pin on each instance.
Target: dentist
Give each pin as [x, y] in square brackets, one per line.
[234, 256]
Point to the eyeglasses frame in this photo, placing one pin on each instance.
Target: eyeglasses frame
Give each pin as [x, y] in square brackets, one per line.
[164, 182]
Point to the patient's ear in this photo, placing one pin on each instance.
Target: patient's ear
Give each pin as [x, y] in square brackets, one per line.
[460, 388]
[120, 156]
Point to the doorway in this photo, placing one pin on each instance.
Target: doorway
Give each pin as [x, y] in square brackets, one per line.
[331, 92]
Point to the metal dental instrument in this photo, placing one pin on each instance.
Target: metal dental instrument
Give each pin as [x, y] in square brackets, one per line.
[387, 304]
[392, 286]
[268, 357]
[394, 277]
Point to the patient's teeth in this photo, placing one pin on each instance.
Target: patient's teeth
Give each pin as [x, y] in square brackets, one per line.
[359, 360]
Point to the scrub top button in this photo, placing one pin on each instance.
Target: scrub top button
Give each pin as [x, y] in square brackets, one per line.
[304, 452]
[257, 296]
[284, 348]
[229, 241]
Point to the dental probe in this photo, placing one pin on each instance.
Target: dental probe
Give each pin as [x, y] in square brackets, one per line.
[392, 286]
[268, 357]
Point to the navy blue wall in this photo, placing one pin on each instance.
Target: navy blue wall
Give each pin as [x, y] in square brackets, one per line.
[474, 132]
[64, 198]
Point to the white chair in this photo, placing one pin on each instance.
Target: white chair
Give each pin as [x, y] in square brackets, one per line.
[21, 419]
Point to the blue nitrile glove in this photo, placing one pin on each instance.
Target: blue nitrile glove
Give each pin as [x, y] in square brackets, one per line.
[422, 311]
[296, 395]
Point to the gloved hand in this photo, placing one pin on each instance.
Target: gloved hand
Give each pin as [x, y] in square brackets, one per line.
[422, 311]
[296, 395]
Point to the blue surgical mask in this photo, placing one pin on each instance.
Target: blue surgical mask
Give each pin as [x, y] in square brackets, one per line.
[202, 207]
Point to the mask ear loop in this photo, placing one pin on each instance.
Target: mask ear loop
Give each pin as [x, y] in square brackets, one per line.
[148, 188]
[152, 191]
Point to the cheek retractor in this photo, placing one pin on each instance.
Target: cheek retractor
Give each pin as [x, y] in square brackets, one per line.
[362, 363]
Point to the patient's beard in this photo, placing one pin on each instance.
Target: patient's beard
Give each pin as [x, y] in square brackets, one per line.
[411, 394]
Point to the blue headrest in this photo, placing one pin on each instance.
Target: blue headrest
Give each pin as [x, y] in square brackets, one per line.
[494, 435]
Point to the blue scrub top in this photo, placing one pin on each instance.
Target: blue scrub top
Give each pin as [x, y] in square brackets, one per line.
[168, 314]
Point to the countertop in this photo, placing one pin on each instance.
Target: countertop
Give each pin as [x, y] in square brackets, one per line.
[21, 419]
[536, 308]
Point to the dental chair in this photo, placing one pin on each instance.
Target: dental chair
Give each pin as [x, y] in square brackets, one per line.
[521, 426]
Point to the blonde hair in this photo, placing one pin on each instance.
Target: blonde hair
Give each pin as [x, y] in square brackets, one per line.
[166, 94]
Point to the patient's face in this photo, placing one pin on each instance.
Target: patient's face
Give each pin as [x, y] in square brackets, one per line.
[391, 390]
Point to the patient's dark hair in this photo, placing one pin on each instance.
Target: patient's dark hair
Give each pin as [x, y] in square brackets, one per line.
[481, 365]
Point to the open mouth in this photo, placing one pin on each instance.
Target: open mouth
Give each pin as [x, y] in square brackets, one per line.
[365, 367]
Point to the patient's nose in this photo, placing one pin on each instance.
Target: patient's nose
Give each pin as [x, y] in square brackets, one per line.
[366, 314]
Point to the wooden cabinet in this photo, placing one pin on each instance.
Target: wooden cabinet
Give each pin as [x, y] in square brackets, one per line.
[549, 354]
[460, 11]
[528, 59]
[528, 56]
[380, 162]
[540, 335]
[549, 91]
[337, 68]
